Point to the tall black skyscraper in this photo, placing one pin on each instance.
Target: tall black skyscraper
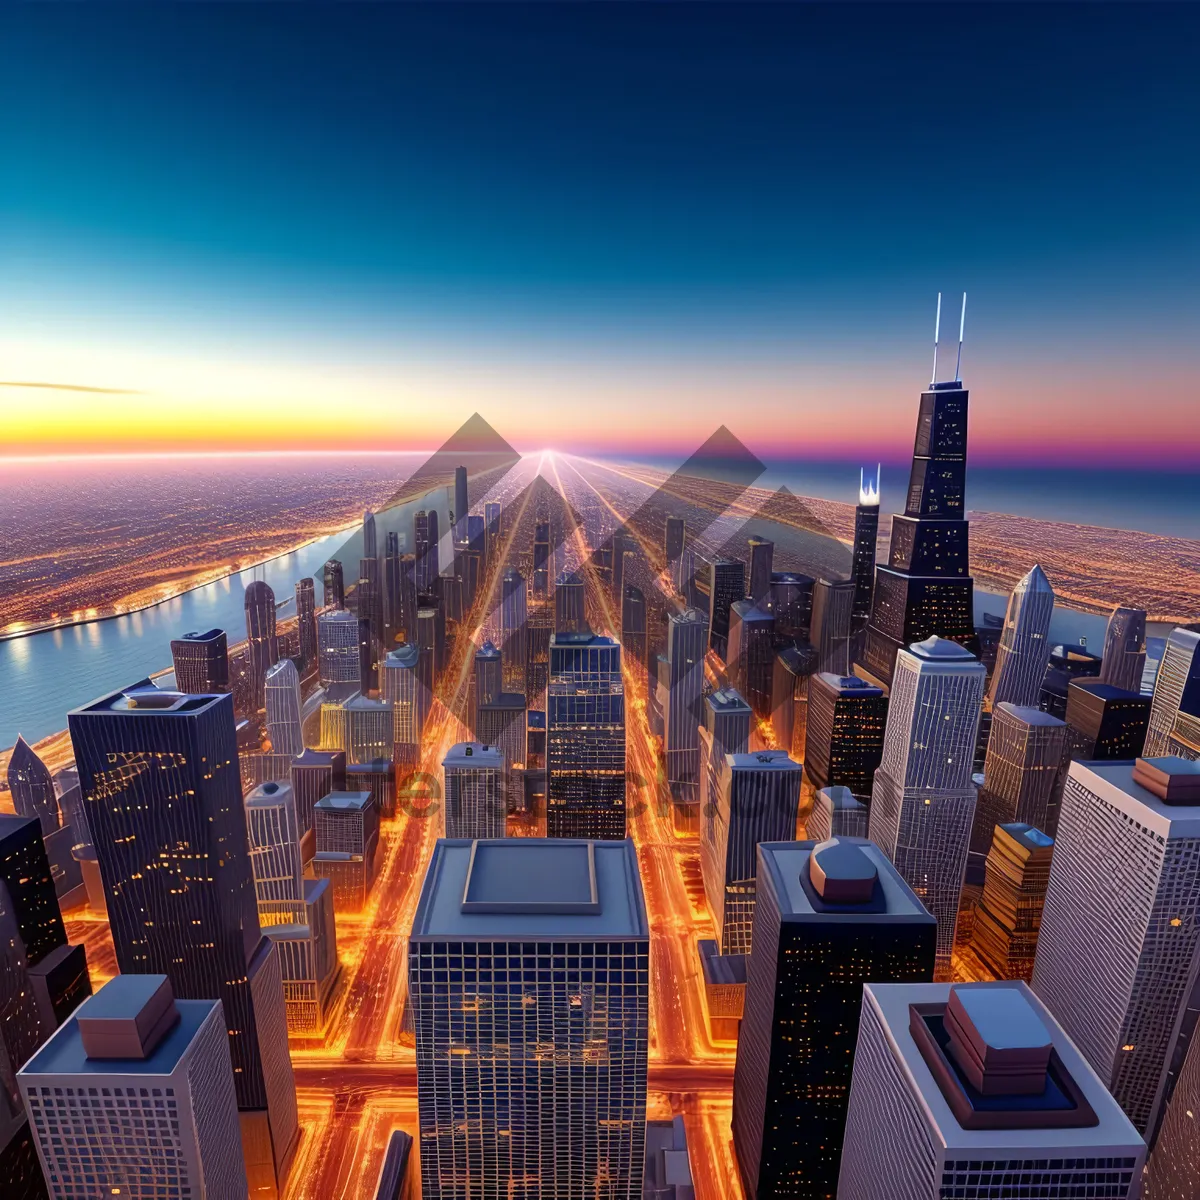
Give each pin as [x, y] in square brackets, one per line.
[866, 534]
[159, 773]
[843, 744]
[263, 645]
[461, 504]
[727, 585]
[570, 613]
[370, 542]
[541, 560]
[673, 539]
[926, 587]
[830, 917]
[306, 613]
[201, 662]
[762, 556]
[334, 584]
[393, 591]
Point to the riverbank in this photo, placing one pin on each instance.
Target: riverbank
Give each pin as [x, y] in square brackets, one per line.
[194, 583]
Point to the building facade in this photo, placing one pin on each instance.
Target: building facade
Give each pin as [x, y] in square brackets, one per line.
[843, 744]
[201, 662]
[475, 791]
[1024, 647]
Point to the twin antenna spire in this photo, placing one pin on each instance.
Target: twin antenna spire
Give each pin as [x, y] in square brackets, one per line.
[937, 330]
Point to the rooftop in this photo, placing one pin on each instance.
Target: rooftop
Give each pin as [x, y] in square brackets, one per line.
[344, 801]
[1004, 1025]
[1029, 715]
[531, 888]
[403, 656]
[728, 700]
[64, 1053]
[268, 795]
[763, 760]
[849, 683]
[361, 703]
[1114, 783]
[840, 798]
[941, 649]
[144, 696]
[787, 867]
[474, 754]
[507, 700]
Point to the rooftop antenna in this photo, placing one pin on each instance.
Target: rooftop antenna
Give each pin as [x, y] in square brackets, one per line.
[937, 330]
[962, 324]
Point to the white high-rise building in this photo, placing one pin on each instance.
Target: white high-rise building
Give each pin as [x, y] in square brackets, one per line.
[293, 912]
[284, 709]
[1174, 725]
[528, 969]
[337, 647]
[401, 684]
[1120, 931]
[133, 1097]
[923, 800]
[1024, 646]
[475, 791]
[921, 1127]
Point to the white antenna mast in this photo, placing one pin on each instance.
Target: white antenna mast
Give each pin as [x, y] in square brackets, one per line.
[962, 324]
[937, 330]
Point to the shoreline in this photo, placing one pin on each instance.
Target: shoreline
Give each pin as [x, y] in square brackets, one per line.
[50, 626]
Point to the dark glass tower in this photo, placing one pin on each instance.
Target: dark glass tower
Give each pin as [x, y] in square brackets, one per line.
[830, 917]
[866, 534]
[727, 585]
[673, 539]
[843, 744]
[334, 585]
[570, 613]
[541, 559]
[201, 662]
[926, 587]
[392, 591]
[306, 612]
[159, 773]
[461, 504]
[762, 556]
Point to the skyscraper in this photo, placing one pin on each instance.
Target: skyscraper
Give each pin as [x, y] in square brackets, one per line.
[159, 773]
[284, 708]
[673, 540]
[370, 544]
[1105, 722]
[836, 813]
[502, 722]
[347, 838]
[461, 504]
[975, 1090]
[1120, 930]
[32, 787]
[727, 729]
[409, 698]
[476, 791]
[368, 601]
[337, 647]
[687, 641]
[34, 942]
[727, 585]
[923, 800]
[489, 677]
[134, 1096]
[1009, 913]
[570, 612]
[1024, 642]
[427, 639]
[866, 536]
[585, 738]
[201, 662]
[492, 523]
[514, 645]
[333, 584]
[1174, 725]
[433, 557]
[843, 745]
[830, 917]
[750, 654]
[541, 559]
[791, 670]
[306, 613]
[633, 624]
[762, 555]
[1025, 751]
[421, 545]
[926, 588]
[294, 912]
[370, 729]
[791, 603]
[831, 623]
[393, 592]
[261, 642]
[531, 1055]
[314, 774]
[1124, 653]
[758, 798]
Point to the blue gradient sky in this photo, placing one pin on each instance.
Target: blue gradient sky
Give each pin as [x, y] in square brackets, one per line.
[600, 226]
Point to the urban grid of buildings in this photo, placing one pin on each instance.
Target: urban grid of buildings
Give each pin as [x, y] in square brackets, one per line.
[922, 896]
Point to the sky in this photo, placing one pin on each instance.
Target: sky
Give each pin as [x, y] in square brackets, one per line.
[606, 228]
